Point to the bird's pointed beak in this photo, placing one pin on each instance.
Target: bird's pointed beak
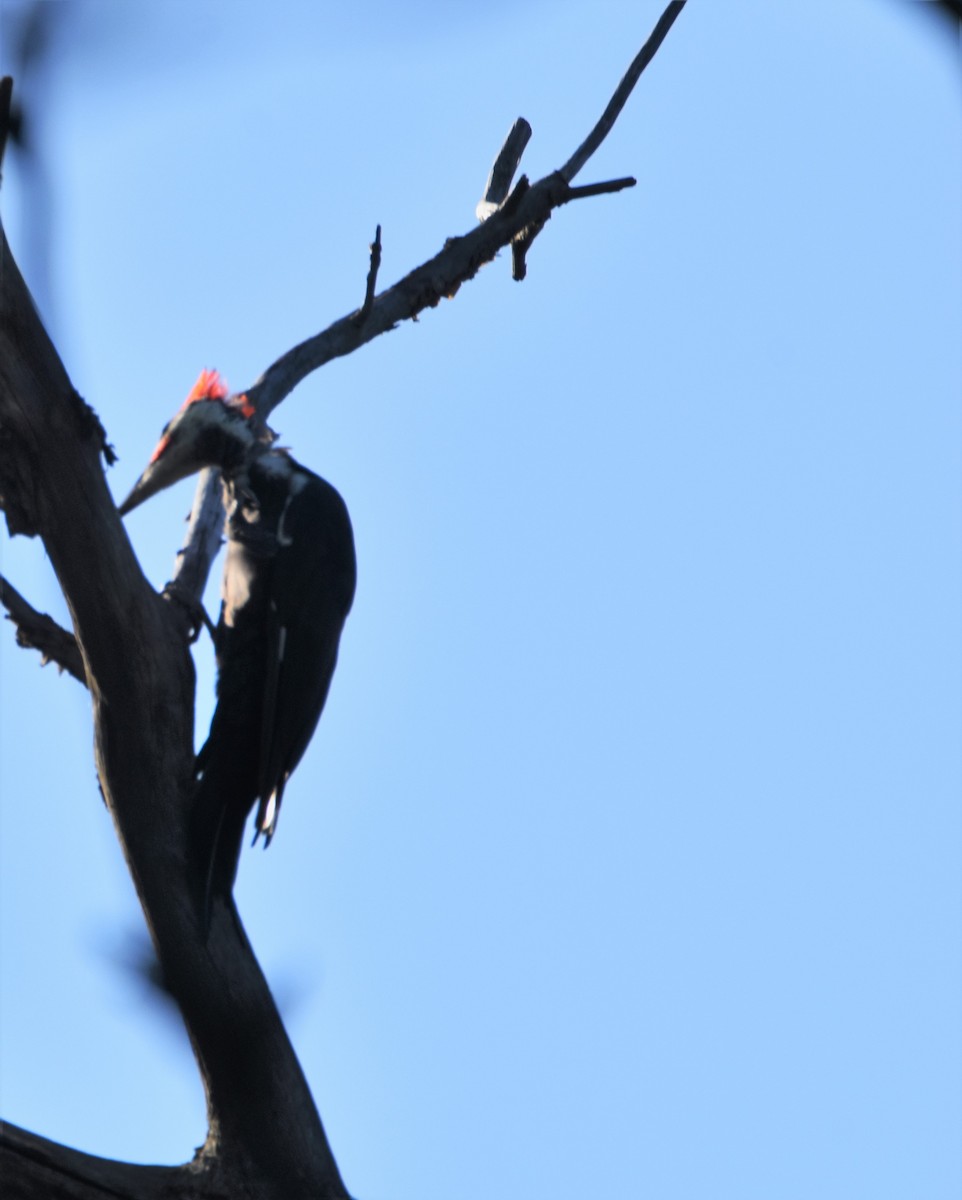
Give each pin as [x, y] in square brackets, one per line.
[152, 481]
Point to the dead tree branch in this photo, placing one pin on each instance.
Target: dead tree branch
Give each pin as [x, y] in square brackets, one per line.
[514, 221]
[503, 169]
[38, 631]
[31, 1167]
[461, 257]
[135, 658]
[265, 1140]
[365, 310]
[622, 91]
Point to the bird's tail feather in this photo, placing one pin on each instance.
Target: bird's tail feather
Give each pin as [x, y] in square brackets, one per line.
[221, 805]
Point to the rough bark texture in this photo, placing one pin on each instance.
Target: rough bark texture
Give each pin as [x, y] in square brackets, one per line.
[137, 666]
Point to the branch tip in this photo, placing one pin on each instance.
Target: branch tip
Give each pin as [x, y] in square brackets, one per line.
[600, 189]
[375, 248]
[623, 91]
[503, 169]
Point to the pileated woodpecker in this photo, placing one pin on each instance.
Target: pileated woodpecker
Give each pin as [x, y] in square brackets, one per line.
[289, 579]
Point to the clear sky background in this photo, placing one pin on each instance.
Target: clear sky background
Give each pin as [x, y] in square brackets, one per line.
[626, 859]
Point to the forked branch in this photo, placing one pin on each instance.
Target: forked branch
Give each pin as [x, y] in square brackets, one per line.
[508, 218]
[462, 257]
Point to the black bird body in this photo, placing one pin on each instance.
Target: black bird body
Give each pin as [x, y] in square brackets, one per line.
[288, 586]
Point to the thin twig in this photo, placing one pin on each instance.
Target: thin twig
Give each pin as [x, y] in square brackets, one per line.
[599, 189]
[622, 92]
[365, 310]
[503, 169]
[37, 631]
[522, 244]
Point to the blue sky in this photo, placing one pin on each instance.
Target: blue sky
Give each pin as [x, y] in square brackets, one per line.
[626, 858]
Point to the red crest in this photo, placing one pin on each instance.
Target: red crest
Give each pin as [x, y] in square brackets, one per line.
[210, 385]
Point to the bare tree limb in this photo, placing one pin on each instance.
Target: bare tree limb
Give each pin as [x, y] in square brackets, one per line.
[522, 243]
[600, 189]
[515, 222]
[503, 169]
[38, 631]
[461, 257]
[365, 309]
[425, 287]
[265, 1137]
[622, 92]
[203, 540]
[31, 1167]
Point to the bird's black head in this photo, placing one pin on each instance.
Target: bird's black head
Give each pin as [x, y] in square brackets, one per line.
[211, 429]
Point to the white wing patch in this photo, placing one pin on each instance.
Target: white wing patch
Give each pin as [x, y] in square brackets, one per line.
[283, 537]
[236, 584]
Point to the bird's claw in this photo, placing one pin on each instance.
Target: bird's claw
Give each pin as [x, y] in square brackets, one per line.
[194, 609]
